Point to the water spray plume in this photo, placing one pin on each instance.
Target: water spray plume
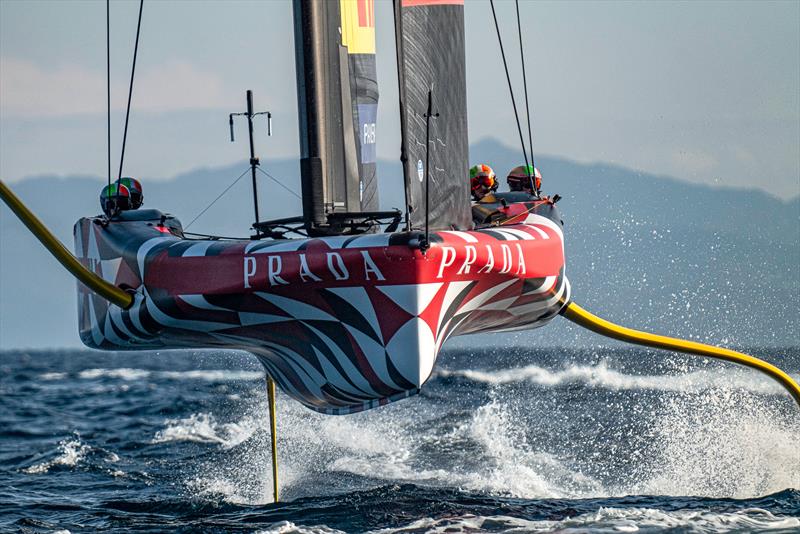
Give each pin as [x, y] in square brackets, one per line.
[583, 318]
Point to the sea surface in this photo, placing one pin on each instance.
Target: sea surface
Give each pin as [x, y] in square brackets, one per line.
[500, 440]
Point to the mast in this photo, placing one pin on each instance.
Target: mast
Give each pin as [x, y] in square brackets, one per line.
[337, 103]
[253, 159]
[310, 32]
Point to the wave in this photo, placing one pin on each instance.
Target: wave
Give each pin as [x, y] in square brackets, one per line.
[53, 376]
[605, 519]
[211, 488]
[485, 453]
[601, 376]
[721, 444]
[697, 440]
[711, 444]
[71, 451]
[287, 527]
[510, 465]
[212, 375]
[128, 374]
[203, 428]
[123, 372]
[507, 464]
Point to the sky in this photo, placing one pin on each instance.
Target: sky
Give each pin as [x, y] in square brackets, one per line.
[707, 92]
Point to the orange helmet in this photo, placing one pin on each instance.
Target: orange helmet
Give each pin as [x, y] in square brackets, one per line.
[482, 176]
[519, 178]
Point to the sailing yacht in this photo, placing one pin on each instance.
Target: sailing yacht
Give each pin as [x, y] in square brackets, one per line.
[346, 306]
[348, 316]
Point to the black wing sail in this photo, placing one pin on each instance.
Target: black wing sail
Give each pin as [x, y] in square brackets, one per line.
[358, 37]
[337, 94]
[430, 41]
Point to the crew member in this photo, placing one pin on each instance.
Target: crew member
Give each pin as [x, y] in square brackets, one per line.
[523, 178]
[115, 198]
[135, 188]
[482, 182]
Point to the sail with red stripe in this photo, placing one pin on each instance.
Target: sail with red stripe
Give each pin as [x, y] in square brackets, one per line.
[431, 57]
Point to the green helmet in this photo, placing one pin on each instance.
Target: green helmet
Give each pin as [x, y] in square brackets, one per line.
[115, 198]
[519, 178]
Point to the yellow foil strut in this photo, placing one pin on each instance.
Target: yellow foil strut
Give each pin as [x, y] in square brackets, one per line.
[579, 316]
[103, 288]
[273, 430]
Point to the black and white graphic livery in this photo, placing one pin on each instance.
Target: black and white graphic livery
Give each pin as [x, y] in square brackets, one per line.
[341, 323]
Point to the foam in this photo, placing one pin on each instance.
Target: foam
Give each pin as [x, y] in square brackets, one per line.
[53, 376]
[723, 444]
[374, 446]
[123, 372]
[385, 445]
[72, 452]
[510, 466]
[608, 519]
[377, 447]
[287, 527]
[208, 375]
[213, 487]
[602, 377]
[212, 375]
[203, 428]
[700, 441]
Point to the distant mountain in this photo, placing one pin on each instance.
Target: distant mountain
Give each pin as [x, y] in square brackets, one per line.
[648, 251]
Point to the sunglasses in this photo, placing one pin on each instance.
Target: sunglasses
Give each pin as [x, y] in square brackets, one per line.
[524, 181]
[486, 181]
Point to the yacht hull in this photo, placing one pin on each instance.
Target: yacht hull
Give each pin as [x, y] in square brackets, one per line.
[343, 323]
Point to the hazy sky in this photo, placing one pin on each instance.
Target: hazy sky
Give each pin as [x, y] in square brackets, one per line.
[704, 91]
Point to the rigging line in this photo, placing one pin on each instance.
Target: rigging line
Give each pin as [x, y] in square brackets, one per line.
[518, 217]
[398, 46]
[527, 108]
[278, 182]
[214, 237]
[510, 88]
[108, 89]
[130, 90]
[218, 197]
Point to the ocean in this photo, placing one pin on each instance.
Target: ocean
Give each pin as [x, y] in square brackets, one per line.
[499, 440]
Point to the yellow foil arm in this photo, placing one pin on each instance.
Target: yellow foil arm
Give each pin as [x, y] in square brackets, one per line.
[578, 315]
[105, 289]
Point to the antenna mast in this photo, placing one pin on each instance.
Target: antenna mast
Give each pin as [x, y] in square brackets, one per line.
[429, 114]
[254, 161]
